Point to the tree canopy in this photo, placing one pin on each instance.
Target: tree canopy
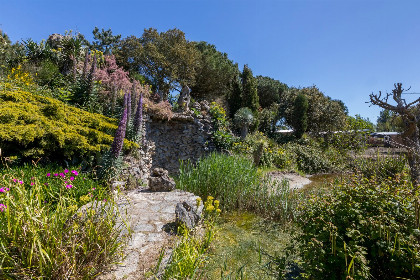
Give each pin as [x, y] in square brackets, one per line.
[215, 73]
[166, 59]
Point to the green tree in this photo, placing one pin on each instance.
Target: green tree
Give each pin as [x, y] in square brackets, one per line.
[104, 40]
[249, 89]
[235, 97]
[214, 74]
[324, 114]
[300, 117]
[268, 118]
[389, 121]
[166, 59]
[269, 91]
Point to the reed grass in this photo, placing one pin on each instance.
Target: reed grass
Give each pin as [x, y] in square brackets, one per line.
[236, 182]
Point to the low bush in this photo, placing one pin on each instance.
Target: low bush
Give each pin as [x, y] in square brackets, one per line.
[381, 167]
[310, 158]
[33, 126]
[223, 138]
[364, 229]
[44, 238]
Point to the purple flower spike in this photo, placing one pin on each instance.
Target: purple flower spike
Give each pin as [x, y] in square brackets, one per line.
[62, 175]
[66, 171]
[117, 145]
[48, 174]
[138, 118]
[75, 173]
[69, 186]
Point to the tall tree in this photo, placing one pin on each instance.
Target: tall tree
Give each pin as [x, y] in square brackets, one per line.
[166, 59]
[249, 89]
[104, 40]
[300, 115]
[324, 114]
[235, 96]
[389, 121]
[269, 91]
[214, 74]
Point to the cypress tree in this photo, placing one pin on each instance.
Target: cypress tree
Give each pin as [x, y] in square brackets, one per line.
[249, 90]
[300, 115]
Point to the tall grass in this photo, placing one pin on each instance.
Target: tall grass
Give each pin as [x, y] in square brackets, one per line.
[236, 182]
[44, 236]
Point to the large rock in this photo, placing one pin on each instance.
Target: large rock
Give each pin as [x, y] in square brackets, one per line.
[159, 181]
[187, 215]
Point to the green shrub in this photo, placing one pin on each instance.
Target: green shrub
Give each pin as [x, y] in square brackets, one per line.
[42, 238]
[363, 229]
[33, 126]
[310, 158]
[382, 167]
[222, 136]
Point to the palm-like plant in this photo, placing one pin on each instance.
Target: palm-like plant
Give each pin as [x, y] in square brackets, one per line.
[243, 118]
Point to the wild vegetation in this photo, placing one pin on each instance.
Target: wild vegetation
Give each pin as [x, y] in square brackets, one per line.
[71, 109]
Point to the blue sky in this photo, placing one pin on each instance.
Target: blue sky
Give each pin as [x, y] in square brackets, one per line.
[348, 49]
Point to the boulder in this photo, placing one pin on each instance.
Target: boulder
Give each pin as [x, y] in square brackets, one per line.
[159, 181]
[187, 215]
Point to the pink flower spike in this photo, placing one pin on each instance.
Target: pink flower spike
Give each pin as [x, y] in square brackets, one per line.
[48, 174]
[69, 186]
[62, 175]
[71, 178]
[21, 182]
[2, 190]
[15, 180]
[32, 183]
[75, 172]
[66, 171]
[93, 188]
[55, 174]
[46, 184]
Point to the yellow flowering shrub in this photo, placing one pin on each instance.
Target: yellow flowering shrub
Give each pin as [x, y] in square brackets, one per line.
[34, 126]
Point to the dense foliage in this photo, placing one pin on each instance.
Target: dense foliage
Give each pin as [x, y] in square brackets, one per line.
[34, 126]
[43, 231]
[365, 228]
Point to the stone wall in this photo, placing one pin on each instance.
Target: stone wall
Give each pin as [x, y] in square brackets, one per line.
[186, 136]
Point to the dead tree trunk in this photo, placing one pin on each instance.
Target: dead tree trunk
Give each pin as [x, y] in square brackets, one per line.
[410, 113]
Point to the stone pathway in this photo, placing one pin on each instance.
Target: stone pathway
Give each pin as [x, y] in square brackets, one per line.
[295, 180]
[148, 214]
